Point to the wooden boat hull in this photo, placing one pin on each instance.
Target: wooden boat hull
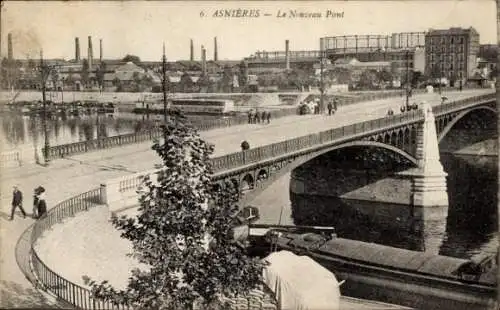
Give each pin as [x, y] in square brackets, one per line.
[370, 280]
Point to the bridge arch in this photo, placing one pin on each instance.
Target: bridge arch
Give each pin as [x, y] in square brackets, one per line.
[461, 115]
[292, 164]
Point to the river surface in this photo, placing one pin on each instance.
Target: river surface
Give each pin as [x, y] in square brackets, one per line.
[469, 228]
[26, 133]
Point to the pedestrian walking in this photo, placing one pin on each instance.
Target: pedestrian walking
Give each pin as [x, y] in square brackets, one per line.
[245, 145]
[35, 203]
[42, 205]
[17, 202]
[257, 117]
[249, 116]
[263, 116]
[268, 117]
[330, 108]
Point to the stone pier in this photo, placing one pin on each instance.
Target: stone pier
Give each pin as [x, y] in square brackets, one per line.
[429, 178]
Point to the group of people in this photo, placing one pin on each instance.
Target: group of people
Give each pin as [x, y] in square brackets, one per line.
[256, 117]
[39, 204]
[313, 107]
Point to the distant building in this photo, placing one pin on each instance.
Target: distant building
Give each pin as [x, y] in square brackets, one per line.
[451, 53]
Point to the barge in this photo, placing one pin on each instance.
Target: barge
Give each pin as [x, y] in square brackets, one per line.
[377, 272]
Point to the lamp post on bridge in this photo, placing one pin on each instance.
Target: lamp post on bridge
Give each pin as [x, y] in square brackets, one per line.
[322, 83]
[164, 88]
[45, 70]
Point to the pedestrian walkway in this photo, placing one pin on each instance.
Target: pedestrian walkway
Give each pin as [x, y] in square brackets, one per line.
[67, 177]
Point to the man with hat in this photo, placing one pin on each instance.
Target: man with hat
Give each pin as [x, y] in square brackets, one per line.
[17, 201]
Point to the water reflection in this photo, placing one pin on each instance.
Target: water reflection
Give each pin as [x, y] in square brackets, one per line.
[468, 229]
[26, 134]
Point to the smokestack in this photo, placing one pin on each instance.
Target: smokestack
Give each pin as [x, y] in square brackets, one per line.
[215, 50]
[287, 54]
[90, 55]
[77, 49]
[100, 50]
[203, 60]
[191, 51]
[9, 47]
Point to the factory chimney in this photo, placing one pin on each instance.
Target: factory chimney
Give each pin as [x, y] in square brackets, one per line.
[100, 50]
[287, 54]
[77, 49]
[191, 51]
[90, 55]
[203, 60]
[216, 58]
[9, 47]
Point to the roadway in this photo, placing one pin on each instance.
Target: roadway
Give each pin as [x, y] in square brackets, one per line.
[70, 176]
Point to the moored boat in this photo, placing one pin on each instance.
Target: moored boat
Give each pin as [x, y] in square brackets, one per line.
[415, 279]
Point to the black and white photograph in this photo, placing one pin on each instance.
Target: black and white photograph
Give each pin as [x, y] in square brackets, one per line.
[249, 155]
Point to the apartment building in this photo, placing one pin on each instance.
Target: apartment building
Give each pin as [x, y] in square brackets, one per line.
[451, 53]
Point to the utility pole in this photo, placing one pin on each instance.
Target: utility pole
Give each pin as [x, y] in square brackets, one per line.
[322, 84]
[43, 70]
[408, 85]
[498, 128]
[164, 82]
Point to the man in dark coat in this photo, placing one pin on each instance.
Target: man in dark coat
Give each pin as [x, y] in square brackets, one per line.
[245, 146]
[17, 201]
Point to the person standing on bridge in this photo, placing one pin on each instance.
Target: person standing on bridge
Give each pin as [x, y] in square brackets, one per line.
[257, 116]
[17, 201]
[263, 116]
[245, 145]
[268, 116]
[330, 108]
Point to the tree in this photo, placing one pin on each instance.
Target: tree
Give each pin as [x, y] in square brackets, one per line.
[243, 74]
[178, 214]
[342, 75]
[227, 80]
[54, 75]
[85, 72]
[132, 58]
[101, 70]
[385, 76]
[368, 78]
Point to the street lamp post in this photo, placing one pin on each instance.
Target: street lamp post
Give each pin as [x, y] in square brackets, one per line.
[43, 70]
[164, 72]
[408, 85]
[322, 84]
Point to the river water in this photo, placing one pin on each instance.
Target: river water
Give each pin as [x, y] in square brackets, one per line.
[469, 228]
[26, 133]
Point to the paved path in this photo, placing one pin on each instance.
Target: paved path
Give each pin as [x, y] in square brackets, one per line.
[68, 177]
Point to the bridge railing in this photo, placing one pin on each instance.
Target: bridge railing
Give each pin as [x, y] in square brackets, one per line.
[10, 158]
[276, 150]
[50, 280]
[81, 297]
[60, 151]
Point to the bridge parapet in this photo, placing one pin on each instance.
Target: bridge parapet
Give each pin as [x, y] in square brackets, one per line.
[324, 138]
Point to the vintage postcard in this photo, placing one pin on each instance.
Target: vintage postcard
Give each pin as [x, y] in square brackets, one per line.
[249, 155]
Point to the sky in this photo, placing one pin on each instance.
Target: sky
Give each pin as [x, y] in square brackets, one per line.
[140, 28]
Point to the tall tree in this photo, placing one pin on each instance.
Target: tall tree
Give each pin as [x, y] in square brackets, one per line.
[101, 70]
[243, 74]
[85, 72]
[183, 233]
[132, 58]
[227, 80]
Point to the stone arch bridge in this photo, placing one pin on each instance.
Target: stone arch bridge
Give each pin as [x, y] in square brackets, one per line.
[414, 135]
